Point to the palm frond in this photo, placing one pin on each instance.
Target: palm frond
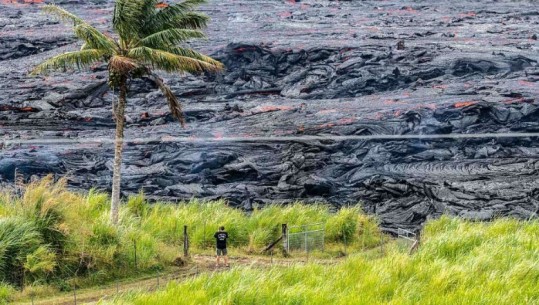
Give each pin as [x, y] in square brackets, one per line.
[184, 6]
[76, 59]
[196, 55]
[170, 37]
[62, 14]
[128, 17]
[179, 15]
[171, 62]
[192, 20]
[192, 4]
[173, 102]
[150, 5]
[94, 39]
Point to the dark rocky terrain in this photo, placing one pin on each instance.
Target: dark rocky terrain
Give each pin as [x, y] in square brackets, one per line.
[308, 88]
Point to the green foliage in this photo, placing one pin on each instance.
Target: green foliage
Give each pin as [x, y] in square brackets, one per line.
[149, 36]
[459, 262]
[104, 234]
[343, 226]
[369, 234]
[40, 262]
[18, 239]
[6, 292]
[137, 204]
[51, 235]
[41, 206]
[97, 201]
[143, 27]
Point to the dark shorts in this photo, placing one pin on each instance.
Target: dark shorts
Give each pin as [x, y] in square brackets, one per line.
[221, 252]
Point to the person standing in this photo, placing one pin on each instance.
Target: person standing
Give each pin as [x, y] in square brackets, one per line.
[220, 237]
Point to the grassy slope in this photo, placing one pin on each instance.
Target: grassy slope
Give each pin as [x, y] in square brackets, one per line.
[198, 264]
[52, 239]
[458, 262]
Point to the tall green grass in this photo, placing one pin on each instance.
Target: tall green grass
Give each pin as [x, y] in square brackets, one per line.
[459, 262]
[6, 293]
[51, 236]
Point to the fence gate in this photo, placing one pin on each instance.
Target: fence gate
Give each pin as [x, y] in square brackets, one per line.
[306, 238]
[406, 234]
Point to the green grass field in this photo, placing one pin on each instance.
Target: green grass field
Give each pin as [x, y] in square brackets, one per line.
[52, 239]
[458, 262]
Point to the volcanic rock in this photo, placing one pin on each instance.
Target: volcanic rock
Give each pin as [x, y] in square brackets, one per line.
[320, 102]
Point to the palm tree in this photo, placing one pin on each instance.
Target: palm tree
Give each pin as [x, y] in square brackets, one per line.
[148, 36]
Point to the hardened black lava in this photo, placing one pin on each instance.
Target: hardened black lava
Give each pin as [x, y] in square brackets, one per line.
[296, 68]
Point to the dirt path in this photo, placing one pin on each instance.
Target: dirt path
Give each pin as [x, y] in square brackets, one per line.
[198, 265]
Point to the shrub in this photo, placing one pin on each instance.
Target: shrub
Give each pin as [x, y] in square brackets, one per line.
[369, 234]
[137, 205]
[343, 226]
[104, 234]
[6, 293]
[18, 239]
[40, 263]
[42, 204]
[96, 202]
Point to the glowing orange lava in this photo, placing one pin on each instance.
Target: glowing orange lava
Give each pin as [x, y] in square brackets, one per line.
[464, 104]
[271, 108]
[525, 83]
[21, 1]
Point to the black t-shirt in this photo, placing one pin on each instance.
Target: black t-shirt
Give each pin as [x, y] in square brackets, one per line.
[221, 237]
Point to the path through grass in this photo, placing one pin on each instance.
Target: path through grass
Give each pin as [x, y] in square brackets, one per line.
[459, 262]
[200, 264]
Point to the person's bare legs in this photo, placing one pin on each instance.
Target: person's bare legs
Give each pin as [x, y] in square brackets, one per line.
[218, 261]
[226, 260]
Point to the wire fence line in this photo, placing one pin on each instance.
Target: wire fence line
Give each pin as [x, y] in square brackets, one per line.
[406, 234]
[121, 286]
[306, 237]
[193, 139]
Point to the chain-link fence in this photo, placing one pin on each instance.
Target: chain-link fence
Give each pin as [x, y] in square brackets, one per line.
[306, 238]
[406, 234]
[409, 239]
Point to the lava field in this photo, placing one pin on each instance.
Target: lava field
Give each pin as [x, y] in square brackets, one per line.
[311, 106]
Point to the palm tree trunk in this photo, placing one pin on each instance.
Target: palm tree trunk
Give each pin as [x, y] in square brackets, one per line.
[118, 148]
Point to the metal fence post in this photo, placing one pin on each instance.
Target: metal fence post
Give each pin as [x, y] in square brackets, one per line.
[344, 240]
[185, 242]
[135, 252]
[204, 235]
[382, 252]
[286, 245]
[324, 240]
[305, 233]
[363, 238]
[75, 294]
[175, 227]
[18, 180]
